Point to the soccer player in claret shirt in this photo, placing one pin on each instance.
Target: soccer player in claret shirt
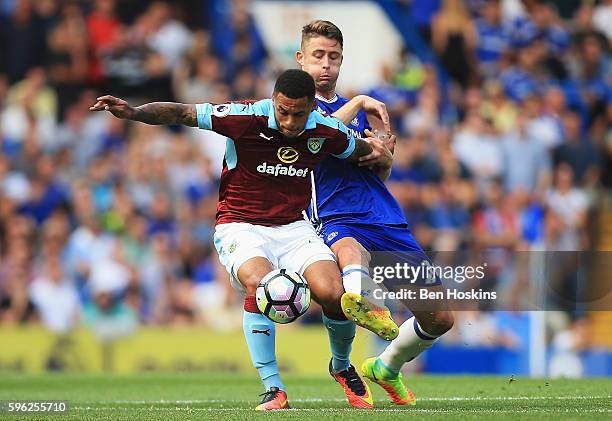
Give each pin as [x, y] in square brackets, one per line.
[356, 214]
[273, 145]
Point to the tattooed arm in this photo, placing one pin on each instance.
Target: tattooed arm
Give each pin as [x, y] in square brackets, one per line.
[152, 113]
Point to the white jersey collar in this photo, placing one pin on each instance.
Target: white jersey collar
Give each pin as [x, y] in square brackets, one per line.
[329, 101]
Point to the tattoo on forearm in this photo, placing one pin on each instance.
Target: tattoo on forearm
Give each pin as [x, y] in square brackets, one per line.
[166, 113]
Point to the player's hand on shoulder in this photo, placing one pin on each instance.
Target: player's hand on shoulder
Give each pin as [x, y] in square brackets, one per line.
[116, 106]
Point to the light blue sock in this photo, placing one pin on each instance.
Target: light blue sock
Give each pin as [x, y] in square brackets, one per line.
[260, 334]
[341, 335]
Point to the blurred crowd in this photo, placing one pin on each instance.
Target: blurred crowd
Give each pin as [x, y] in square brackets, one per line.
[505, 142]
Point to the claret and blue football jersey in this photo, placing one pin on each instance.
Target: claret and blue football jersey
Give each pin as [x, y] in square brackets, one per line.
[265, 178]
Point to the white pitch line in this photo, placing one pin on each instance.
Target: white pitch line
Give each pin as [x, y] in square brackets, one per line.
[307, 400]
[410, 409]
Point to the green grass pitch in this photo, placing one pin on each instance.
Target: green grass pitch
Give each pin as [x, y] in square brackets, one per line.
[220, 397]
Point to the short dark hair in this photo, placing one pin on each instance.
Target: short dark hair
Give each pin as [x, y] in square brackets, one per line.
[322, 28]
[295, 84]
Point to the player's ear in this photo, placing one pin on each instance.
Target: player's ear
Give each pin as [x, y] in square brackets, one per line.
[299, 57]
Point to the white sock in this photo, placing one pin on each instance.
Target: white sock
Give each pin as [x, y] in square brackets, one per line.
[356, 279]
[410, 342]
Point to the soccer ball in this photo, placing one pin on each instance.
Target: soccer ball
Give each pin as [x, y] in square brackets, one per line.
[283, 296]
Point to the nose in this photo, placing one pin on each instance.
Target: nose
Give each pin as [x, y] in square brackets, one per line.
[326, 62]
[291, 123]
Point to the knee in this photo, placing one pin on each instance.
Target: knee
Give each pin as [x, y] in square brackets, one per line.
[350, 252]
[250, 283]
[329, 299]
[441, 323]
[330, 295]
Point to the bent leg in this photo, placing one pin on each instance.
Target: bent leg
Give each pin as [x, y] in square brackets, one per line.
[418, 333]
[325, 284]
[354, 262]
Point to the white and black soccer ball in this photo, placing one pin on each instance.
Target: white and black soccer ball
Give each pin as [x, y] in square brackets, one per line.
[283, 296]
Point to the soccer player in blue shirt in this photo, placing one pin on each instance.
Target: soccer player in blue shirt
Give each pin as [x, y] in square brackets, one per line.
[357, 214]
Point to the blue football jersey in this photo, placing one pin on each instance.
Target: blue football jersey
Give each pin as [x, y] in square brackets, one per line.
[345, 191]
[492, 41]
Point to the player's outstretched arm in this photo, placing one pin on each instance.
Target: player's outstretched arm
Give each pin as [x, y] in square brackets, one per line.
[371, 106]
[152, 113]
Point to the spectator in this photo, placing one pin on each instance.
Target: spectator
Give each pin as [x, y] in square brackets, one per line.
[454, 38]
[497, 232]
[410, 74]
[396, 99]
[445, 216]
[46, 195]
[566, 218]
[129, 67]
[498, 108]
[478, 148]
[193, 81]
[579, 152]
[107, 314]
[424, 116]
[103, 28]
[23, 41]
[545, 118]
[603, 16]
[55, 298]
[566, 348]
[518, 80]
[235, 35]
[66, 61]
[15, 185]
[423, 12]
[15, 274]
[87, 245]
[164, 35]
[527, 164]
[493, 38]
[160, 218]
[31, 109]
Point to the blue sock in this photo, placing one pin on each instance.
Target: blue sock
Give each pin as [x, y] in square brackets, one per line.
[260, 334]
[341, 335]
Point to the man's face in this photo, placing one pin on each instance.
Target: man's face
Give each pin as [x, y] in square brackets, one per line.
[291, 114]
[571, 124]
[492, 11]
[321, 57]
